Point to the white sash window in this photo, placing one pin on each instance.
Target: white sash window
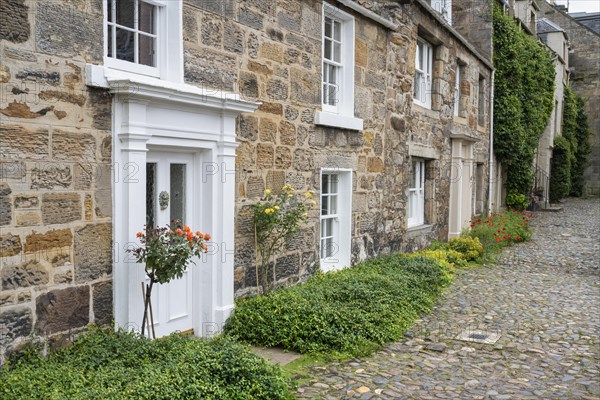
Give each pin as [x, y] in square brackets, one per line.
[416, 193]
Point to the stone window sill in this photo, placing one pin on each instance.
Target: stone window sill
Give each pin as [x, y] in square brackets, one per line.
[338, 121]
[418, 230]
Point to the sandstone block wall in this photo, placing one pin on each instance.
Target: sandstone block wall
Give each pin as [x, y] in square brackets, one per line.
[55, 173]
[271, 52]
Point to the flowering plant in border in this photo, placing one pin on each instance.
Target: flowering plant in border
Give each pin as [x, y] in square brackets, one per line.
[501, 229]
[166, 253]
[276, 217]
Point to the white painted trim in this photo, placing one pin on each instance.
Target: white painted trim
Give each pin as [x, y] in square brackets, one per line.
[344, 212]
[345, 106]
[169, 46]
[338, 121]
[202, 124]
[369, 14]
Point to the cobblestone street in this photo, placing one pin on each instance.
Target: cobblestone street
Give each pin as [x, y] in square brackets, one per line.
[543, 300]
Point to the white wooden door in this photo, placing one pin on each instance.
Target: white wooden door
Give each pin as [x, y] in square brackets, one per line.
[169, 200]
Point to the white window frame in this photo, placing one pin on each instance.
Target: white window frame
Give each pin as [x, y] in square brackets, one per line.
[342, 113]
[340, 235]
[416, 214]
[444, 8]
[169, 42]
[423, 85]
[459, 77]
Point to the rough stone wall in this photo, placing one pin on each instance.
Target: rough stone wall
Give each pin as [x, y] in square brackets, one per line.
[55, 175]
[271, 52]
[584, 63]
[473, 19]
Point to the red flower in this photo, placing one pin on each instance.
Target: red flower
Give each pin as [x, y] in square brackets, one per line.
[472, 224]
[518, 237]
[179, 232]
[139, 234]
[207, 236]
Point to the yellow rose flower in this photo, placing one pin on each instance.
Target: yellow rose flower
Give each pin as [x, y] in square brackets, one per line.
[305, 214]
[277, 207]
[267, 192]
[313, 202]
[308, 194]
[290, 195]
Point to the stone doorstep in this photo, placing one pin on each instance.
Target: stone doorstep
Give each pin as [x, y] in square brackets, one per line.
[276, 355]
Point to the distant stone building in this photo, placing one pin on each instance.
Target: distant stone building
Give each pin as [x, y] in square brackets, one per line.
[591, 20]
[584, 66]
[110, 108]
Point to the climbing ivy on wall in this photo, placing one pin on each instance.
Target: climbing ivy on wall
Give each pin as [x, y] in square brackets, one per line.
[523, 99]
[572, 149]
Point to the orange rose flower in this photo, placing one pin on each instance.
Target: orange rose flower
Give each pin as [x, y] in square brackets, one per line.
[190, 236]
[186, 228]
[140, 234]
[207, 236]
[200, 235]
[179, 231]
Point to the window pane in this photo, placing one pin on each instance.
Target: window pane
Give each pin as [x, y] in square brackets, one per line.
[333, 204]
[337, 52]
[146, 17]
[332, 74]
[150, 194]
[325, 100]
[418, 86]
[327, 50]
[327, 27]
[418, 59]
[146, 50]
[325, 183]
[332, 95]
[125, 45]
[109, 41]
[110, 10]
[125, 12]
[412, 176]
[177, 201]
[329, 247]
[411, 205]
[337, 31]
[334, 183]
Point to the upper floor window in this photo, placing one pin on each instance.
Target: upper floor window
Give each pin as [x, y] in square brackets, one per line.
[444, 7]
[459, 78]
[481, 101]
[423, 65]
[337, 96]
[144, 37]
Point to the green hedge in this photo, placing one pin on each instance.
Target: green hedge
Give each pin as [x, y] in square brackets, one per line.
[107, 365]
[575, 129]
[560, 171]
[350, 312]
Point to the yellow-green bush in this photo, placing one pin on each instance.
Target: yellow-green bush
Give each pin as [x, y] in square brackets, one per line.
[448, 259]
[470, 247]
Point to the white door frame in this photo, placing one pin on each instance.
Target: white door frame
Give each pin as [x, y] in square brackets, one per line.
[153, 114]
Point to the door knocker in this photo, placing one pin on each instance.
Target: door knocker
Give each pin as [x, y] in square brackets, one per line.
[163, 200]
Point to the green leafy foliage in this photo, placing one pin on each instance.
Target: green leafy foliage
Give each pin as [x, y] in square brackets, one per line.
[516, 201]
[576, 131]
[560, 176]
[103, 364]
[523, 98]
[349, 312]
[500, 230]
[276, 218]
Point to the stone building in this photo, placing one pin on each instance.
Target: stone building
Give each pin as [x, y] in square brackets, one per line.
[584, 67]
[382, 108]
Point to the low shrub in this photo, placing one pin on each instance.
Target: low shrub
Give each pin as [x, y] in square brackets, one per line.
[501, 230]
[470, 247]
[449, 259]
[103, 364]
[346, 313]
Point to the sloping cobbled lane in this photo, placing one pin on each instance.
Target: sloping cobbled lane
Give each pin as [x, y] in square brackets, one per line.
[542, 298]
